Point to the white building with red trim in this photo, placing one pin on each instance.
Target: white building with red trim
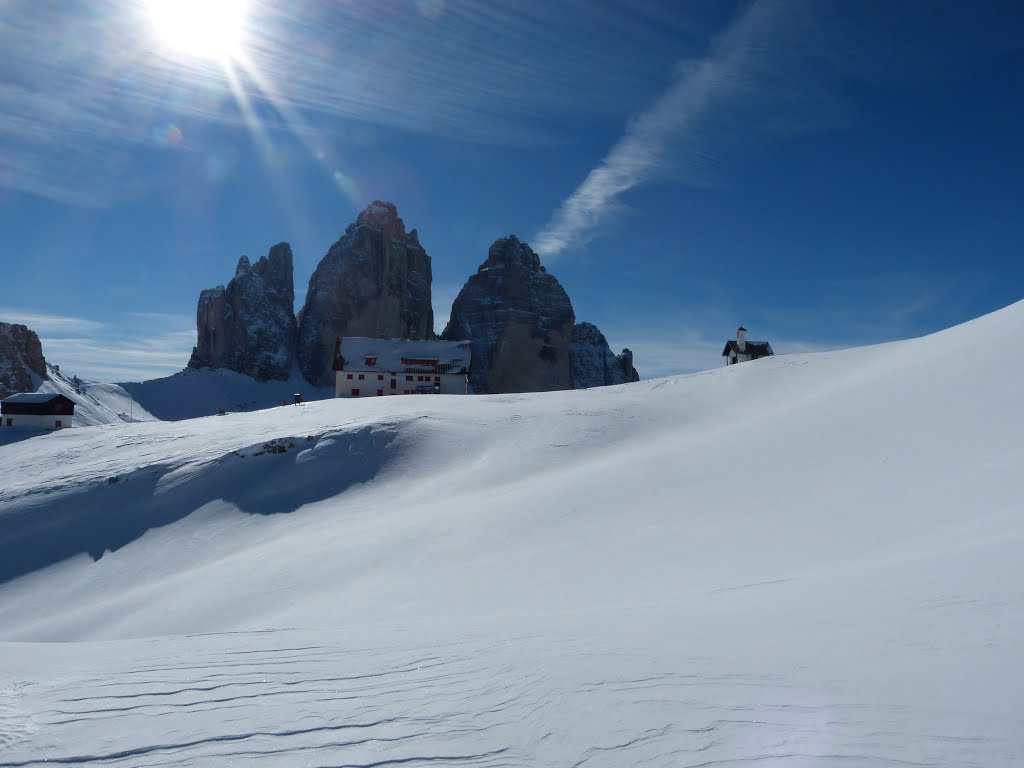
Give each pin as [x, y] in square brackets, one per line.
[365, 367]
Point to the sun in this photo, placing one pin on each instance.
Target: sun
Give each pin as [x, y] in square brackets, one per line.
[205, 29]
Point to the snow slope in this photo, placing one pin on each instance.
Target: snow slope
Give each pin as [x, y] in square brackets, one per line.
[95, 402]
[191, 393]
[809, 560]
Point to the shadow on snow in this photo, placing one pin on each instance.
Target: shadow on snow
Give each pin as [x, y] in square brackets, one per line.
[272, 478]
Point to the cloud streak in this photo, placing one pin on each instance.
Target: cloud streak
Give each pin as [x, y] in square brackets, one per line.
[131, 346]
[76, 127]
[639, 154]
[44, 324]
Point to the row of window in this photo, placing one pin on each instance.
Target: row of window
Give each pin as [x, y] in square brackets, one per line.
[380, 392]
[57, 424]
[380, 377]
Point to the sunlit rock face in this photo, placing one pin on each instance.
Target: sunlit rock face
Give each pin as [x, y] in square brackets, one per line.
[593, 362]
[21, 359]
[375, 281]
[249, 326]
[520, 321]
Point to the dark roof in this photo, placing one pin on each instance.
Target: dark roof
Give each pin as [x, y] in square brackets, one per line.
[34, 397]
[741, 328]
[38, 404]
[759, 348]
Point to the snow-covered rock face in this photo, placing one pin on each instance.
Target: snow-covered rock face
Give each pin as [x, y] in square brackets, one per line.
[375, 281]
[593, 362]
[249, 326]
[21, 356]
[520, 321]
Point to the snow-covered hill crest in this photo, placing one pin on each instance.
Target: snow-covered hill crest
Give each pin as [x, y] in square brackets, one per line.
[96, 402]
[803, 560]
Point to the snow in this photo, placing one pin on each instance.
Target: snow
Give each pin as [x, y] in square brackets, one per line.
[95, 402]
[807, 560]
[191, 393]
[404, 355]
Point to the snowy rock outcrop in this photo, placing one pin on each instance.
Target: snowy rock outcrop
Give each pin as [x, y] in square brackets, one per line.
[21, 359]
[520, 321]
[375, 281]
[249, 326]
[593, 362]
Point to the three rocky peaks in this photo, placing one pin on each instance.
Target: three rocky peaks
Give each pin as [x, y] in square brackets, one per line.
[375, 281]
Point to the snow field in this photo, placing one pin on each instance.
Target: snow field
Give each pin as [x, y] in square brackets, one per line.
[806, 560]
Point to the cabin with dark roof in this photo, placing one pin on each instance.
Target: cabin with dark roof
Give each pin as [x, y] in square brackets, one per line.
[365, 367]
[741, 350]
[37, 410]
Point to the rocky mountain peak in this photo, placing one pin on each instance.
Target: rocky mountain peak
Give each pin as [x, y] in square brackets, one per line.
[375, 281]
[249, 325]
[593, 362]
[509, 251]
[383, 216]
[519, 319]
[21, 359]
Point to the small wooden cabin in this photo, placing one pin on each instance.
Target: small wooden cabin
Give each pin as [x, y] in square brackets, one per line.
[37, 410]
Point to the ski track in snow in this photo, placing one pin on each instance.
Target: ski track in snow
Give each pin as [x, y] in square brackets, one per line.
[301, 698]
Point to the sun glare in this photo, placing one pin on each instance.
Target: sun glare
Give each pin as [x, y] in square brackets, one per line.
[206, 29]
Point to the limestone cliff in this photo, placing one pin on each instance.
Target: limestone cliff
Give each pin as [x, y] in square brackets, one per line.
[21, 359]
[593, 362]
[519, 320]
[249, 326]
[375, 281]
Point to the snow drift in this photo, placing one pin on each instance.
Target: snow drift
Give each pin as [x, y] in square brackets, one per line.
[805, 560]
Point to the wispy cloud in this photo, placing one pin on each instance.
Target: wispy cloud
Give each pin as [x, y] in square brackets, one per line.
[668, 355]
[135, 359]
[640, 153]
[48, 324]
[76, 125]
[167, 317]
[131, 346]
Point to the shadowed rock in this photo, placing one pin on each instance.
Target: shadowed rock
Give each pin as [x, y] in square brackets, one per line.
[21, 358]
[249, 326]
[375, 281]
[593, 362]
[520, 321]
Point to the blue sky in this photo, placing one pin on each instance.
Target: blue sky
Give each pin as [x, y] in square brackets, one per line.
[827, 173]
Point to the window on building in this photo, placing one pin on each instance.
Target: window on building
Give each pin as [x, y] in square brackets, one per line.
[380, 377]
[437, 378]
[380, 392]
[10, 422]
[394, 383]
[58, 424]
[349, 376]
[355, 392]
[360, 377]
[408, 378]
